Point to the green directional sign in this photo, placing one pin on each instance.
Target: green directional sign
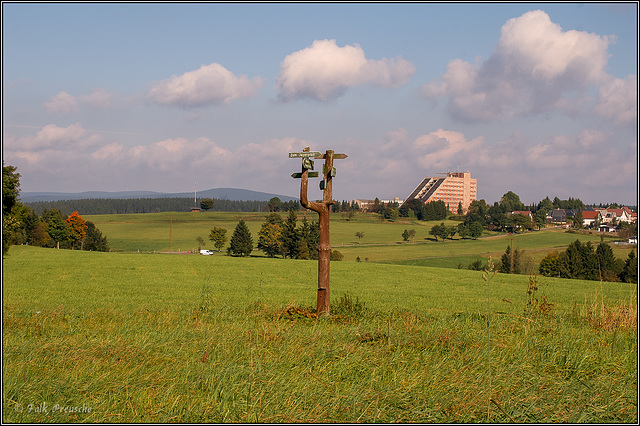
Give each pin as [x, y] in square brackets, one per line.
[306, 154]
[299, 175]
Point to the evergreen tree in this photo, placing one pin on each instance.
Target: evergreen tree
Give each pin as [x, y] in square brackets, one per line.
[570, 262]
[589, 262]
[309, 235]
[290, 240]
[416, 206]
[629, 273]
[606, 261]
[241, 241]
[511, 261]
[94, 241]
[303, 250]
[435, 210]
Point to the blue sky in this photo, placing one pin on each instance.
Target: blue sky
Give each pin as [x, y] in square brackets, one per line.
[538, 99]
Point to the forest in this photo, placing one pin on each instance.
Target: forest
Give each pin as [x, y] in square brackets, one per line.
[141, 205]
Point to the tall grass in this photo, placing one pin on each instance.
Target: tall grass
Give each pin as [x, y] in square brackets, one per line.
[161, 338]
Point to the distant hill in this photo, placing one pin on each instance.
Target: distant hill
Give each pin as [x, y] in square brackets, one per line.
[233, 194]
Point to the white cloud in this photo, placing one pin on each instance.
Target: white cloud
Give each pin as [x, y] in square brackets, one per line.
[534, 68]
[98, 98]
[569, 165]
[535, 47]
[62, 104]
[325, 71]
[56, 154]
[52, 137]
[442, 150]
[618, 100]
[208, 85]
[556, 165]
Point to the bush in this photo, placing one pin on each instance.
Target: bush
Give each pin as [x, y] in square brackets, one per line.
[476, 265]
[336, 255]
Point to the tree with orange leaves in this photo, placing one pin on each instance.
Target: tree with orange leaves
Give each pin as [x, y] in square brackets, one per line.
[77, 228]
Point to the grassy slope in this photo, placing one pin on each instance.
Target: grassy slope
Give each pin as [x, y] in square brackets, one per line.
[162, 338]
[382, 241]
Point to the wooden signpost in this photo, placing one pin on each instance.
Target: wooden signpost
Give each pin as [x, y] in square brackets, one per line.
[323, 208]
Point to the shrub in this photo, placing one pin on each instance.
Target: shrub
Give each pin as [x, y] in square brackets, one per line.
[336, 255]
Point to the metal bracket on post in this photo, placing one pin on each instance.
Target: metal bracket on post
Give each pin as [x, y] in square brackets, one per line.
[323, 210]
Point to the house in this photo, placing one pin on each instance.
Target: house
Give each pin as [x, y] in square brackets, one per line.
[606, 228]
[618, 215]
[589, 217]
[524, 213]
[557, 216]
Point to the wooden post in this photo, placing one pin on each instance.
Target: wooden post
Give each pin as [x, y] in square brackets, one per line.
[323, 303]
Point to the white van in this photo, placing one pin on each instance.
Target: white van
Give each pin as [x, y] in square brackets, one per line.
[206, 252]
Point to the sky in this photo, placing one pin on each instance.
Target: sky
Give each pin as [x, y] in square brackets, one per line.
[540, 99]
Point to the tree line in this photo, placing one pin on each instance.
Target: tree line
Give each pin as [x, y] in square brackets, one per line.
[276, 237]
[582, 261]
[96, 206]
[21, 224]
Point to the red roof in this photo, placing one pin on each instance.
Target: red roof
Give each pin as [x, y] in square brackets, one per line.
[590, 215]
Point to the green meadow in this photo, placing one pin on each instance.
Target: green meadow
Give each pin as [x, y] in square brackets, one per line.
[382, 240]
[132, 336]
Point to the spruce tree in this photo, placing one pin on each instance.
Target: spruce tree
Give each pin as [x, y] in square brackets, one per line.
[241, 242]
[94, 241]
[290, 240]
[606, 259]
[630, 272]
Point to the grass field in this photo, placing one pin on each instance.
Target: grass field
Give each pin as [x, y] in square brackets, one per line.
[382, 241]
[129, 337]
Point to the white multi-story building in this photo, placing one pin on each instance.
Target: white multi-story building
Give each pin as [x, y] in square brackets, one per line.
[454, 188]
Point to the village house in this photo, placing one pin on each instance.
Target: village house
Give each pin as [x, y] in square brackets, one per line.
[590, 217]
[524, 213]
[617, 215]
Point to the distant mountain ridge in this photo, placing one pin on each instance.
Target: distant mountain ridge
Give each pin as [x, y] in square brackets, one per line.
[233, 194]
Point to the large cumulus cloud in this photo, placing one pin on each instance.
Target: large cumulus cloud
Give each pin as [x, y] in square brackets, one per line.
[324, 71]
[536, 67]
[210, 84]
